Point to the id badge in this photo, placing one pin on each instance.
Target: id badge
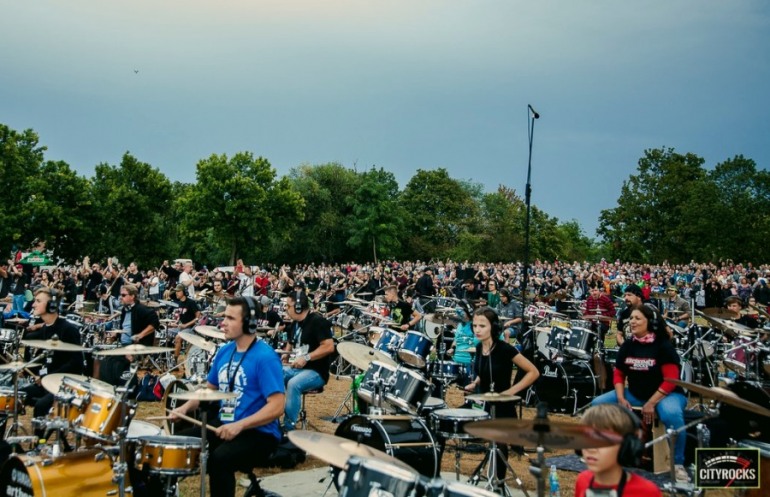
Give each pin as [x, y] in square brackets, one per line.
[227, 411]
[478, 405]
[604, 492]
[43, 371]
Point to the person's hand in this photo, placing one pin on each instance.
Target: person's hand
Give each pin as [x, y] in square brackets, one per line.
[135, 338]
[299, 362]
[648, 413]
[470, 387]
[229, 431]
[623, 402]
[404, 327]
[174, 415]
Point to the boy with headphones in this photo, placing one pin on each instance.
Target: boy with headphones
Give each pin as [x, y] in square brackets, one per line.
[311, 342]
[605, 476]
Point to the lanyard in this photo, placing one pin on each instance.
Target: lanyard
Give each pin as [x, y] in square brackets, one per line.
[231, 380]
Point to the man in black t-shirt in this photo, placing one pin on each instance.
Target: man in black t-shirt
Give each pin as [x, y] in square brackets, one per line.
[402, 313]
[633, 297]
[310, 343]
[188, 318]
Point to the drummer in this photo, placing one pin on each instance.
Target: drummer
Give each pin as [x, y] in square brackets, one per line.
[600, 305]
[633, 298]
[46, 306]
[510, 312]
[493, 367]
[247, 430]
[733, 305]
[405, 316]
[464, 340]
[648, 361]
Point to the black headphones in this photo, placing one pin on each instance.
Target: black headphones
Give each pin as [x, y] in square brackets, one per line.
[53, 302]
[298, 304]
[250, 321]
[631, 448]
[655, 318]
[497, 326]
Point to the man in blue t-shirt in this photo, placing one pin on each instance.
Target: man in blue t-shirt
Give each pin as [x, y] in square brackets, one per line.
[249, 367]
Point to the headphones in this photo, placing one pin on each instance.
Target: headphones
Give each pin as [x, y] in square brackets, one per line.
[631, 447]
[250, 322]
[298, 303]
[655, 318]
[497, 327]
[53, 302]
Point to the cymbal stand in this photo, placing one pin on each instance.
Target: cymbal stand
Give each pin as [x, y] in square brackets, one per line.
[541, 427]
[494, 483]
[13, 430]
[698, 340]
[120, 470]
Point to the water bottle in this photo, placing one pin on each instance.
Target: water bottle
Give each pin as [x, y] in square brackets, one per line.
[553, 479]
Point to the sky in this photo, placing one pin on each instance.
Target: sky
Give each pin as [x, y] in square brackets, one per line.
[402, 85]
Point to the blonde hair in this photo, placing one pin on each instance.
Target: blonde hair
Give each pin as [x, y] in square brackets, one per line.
[611, 417]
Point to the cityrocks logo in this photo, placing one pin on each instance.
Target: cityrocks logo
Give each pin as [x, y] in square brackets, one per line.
[727, 468]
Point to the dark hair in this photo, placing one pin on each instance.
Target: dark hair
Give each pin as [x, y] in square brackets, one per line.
[655, 322]
[733, 300]
[493, 319]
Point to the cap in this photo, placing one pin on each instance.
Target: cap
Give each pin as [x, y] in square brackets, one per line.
[264, 300]
[634, 290]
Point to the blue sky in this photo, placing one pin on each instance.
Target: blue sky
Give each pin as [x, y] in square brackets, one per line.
[402, 85]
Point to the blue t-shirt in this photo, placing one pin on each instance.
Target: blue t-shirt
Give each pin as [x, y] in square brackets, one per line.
[259, 375]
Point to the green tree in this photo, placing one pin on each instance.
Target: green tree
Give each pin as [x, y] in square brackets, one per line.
[130, 202]
[236, 205]
[377, 222]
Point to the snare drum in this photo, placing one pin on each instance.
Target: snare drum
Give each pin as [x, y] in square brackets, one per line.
[581, 343]
[366, 477]
[409, 391]
[100, 416]
[415, 349]
[172, 456]
[450, 423]
[7, 335]
[83, 473]
[379, 373]
[432, 405]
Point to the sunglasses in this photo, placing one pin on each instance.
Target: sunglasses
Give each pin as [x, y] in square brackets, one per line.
[124, 295]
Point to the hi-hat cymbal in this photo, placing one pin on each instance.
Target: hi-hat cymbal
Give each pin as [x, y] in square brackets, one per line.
[362, 356]
[337, 450]
[52, 382]
[203, 395]
[723, 395]
[134, 349]
[555, 435]
[492, 397]
[729, 328]
[198, 341]
[53, 344]
[151, 303]
[18, 366]
[439, 318]
[210, 331]
[718, 312]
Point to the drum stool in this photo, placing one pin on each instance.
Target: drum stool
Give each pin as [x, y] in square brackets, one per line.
[661, 453]
[302, 421]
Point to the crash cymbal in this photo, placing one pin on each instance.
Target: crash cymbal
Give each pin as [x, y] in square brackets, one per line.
[53, 344]
[151, 303]
[438, 318]
[730, 328]
[198, 341]
[134, 349]
[203, 395]
[210, 331]
[168, 303]
[361, 356]
[337, 450]
[658, 295]
[555, 435]
[492, 397]
[596, 317]
[52, 382]
[18, 366]
[761, 309]
[724, 396]
[717, 312]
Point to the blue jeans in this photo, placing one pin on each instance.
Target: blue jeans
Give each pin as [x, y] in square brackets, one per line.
[18, 303]
[670, 411]
[297, 381]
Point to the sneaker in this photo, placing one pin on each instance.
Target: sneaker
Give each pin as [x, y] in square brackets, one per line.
[681, 474]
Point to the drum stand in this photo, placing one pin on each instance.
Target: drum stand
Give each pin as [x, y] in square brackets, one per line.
[490, 463]
[120, 469]
[13, 430]
[698, 344]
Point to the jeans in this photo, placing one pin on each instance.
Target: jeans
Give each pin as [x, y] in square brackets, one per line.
[670, 411]
[18, 303]
[297, 381]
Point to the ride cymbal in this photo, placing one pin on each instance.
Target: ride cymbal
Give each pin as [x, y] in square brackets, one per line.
[210, 331]
[550, 434]
[52, 382]
[53, 344]
[134, 349]
[198, 341]
[337, 450]
[724, 396]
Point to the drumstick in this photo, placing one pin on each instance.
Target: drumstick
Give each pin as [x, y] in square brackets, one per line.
[155, 418]
[193, 420]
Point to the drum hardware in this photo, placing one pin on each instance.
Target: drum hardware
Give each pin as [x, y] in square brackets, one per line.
[210, 331]
[722, 395]
[450, 424]
[490, 459]
[542, 433]
[203, 395]
[15, 367]
[336, 450]
[743, 357]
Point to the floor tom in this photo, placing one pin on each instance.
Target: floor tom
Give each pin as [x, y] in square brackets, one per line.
[450, 423]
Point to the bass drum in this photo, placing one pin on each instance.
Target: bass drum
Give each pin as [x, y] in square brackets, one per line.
[171, 404]
[406, 438]
[564, 386]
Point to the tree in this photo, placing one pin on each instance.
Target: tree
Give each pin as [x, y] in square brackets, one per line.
[377, 220]
[439, 210]
[130, 202]
[236, 205]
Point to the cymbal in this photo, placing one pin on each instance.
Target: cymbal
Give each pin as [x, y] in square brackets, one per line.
[469, 350]
[134, 349]
[198, 341]
[555, 435]
[210, 331]
[52, 382]
[492, 397]
[18, 366]
[364, 293]
[362, 356]
[53, 344]
[168, 303]
[438, 318]
[203, 395]
[16, 320]
[597, 317]
[150, 303]
[724, 396]
[337, 450]
[99, 315]
[729, 328]
[761, 309]
[717, 312]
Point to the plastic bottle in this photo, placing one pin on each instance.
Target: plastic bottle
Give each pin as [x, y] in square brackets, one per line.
[553, 479]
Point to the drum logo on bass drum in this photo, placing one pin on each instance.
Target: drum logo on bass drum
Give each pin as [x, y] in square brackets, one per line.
[550, 373]
[365, 430]
[727, 468]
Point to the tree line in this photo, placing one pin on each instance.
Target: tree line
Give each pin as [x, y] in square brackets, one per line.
[238, 207]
